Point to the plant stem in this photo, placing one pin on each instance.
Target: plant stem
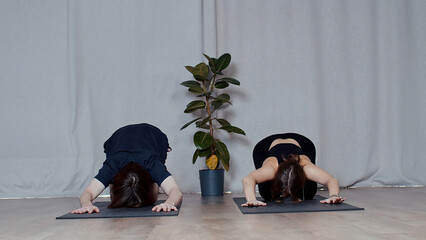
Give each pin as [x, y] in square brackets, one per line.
[209, 111]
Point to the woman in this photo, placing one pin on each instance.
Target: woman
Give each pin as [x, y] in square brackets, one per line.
[285, 166]
[134, 166]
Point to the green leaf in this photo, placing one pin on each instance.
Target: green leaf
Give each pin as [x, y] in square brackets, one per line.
[223, 62]
[233, 129]
[189, 123]
[223, 122]
[223, 153]
[207, 127]
[200, 78]
[223, 97]
[196, 89]
[195, 156]
[230, 80]
[216, 104]
[202, 140]
[205, 94]
[211, 62]
[191, 83]
[202, 125]
[207, 57]
[205, 152]
[190, 69]
[201, 71]
[202, 122]
[221, 85]
[194, 105]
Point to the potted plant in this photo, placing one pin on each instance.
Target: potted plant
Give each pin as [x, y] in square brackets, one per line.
[208, 90]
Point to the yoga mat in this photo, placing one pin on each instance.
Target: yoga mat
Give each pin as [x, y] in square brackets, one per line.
[106, 212]
[289, 206]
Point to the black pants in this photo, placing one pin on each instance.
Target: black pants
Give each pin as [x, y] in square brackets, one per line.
[260, 152]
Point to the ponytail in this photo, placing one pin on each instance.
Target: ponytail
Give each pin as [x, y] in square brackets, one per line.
[289, 178]
[132, 187]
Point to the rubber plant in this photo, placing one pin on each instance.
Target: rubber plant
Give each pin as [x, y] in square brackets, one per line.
[207, 87]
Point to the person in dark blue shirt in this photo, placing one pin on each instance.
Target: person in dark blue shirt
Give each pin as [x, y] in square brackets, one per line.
[134, 169]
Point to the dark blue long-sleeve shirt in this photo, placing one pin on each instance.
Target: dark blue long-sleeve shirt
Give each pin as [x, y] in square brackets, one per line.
[143, 144]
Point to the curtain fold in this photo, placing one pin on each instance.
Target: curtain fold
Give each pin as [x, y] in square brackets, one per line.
[344, 73]
[350, 75]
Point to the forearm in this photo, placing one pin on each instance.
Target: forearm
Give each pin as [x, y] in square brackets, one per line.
[174, 197]
[333, 187]
[249, 188]
[86, 199]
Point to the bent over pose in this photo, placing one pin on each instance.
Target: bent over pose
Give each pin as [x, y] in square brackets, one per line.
[285, 166]
[134, 169]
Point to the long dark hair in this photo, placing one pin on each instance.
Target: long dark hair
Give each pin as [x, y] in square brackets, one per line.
[289, 179]
[132, 186]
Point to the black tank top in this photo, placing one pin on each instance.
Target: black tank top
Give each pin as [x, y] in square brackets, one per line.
[282, 150]
[260, 151]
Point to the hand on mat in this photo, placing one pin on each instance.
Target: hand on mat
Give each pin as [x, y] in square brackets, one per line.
[333, 200]
[88, 209]
[165, 207]
[254, 203]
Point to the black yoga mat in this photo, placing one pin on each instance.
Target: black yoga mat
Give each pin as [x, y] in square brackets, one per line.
[289, 206]
[105, 212]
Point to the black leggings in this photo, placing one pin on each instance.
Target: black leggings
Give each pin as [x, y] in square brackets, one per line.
[260, 152]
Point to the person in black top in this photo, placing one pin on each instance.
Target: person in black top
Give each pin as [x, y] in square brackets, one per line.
[134, 169]
[285, 166]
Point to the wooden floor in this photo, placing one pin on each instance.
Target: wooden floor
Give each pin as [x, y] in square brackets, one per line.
[390, 213]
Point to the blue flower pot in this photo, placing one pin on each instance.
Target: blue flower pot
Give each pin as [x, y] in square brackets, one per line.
[211, 182]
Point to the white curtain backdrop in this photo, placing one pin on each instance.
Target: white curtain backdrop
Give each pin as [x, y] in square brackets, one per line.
[350, 75]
